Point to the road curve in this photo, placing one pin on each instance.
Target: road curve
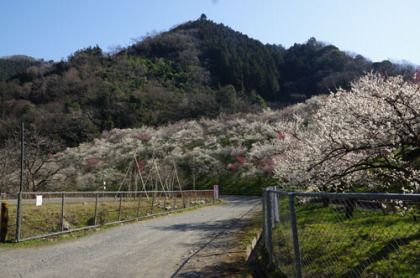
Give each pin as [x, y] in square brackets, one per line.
[161, 247]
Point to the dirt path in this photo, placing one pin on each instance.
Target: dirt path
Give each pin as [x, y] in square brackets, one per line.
[193, 244]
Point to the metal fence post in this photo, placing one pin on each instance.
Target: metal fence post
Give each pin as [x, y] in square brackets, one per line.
[295, 235]
[174, 202]
[18, 216]
[264, 217]
[62, 211]
[272, 207]
[269, 230]
[22, 161]
[138, 206]
[276, 205]
[153, 202]
[96, 209]
[195, 198]
[119, 213]
[164, 202]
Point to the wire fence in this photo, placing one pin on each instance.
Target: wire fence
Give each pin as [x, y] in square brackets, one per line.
[342, 235]
[44, 214]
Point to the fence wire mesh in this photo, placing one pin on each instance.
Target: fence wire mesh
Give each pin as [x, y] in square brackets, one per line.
[63, 212]
[345, 235]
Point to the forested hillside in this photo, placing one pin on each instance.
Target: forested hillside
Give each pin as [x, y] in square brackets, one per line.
[198, 69]
[366, 139]
[10, 66]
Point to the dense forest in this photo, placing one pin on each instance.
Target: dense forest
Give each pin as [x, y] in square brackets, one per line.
[197, 69]
[13, 65]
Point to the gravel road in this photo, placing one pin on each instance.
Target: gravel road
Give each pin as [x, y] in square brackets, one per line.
[192, 244]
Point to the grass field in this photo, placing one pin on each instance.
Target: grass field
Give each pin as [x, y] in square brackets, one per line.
[370, 243]
[40, 221]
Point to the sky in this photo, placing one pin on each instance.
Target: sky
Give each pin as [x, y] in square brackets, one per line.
[54, 29]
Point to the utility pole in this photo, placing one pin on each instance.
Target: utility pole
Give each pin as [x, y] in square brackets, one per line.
[22, 160]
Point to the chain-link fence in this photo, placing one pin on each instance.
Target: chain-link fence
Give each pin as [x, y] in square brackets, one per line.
[342, 235]
[44, 214]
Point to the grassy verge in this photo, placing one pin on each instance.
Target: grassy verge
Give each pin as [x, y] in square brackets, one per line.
[370, 243]
[46, 219]
[250, 230]
[237, 266]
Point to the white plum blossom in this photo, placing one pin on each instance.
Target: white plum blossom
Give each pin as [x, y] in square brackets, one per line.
[367, 136]
[362, 136]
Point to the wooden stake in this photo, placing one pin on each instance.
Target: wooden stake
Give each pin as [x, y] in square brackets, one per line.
[4, 221]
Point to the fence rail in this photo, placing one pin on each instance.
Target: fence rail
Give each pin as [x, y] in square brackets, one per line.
[342, 235]
[56, 213]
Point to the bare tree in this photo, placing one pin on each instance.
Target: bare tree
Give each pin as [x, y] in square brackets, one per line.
[40, 165]
[9, 163]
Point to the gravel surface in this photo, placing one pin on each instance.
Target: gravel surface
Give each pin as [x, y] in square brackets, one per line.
[193, 244]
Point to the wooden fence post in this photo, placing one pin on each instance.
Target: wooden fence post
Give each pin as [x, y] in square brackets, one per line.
[4, 220]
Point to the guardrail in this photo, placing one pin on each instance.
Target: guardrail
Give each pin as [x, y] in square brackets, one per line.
[44, 214]
[342, 235]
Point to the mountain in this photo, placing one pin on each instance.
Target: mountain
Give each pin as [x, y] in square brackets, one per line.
[197, 69]
[271, 71]
[10, 66]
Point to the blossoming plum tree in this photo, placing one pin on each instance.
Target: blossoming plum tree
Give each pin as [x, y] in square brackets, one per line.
[367, 136]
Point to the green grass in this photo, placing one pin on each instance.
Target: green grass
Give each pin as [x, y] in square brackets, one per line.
[46, 219]
[237, 184]
[371, 243]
